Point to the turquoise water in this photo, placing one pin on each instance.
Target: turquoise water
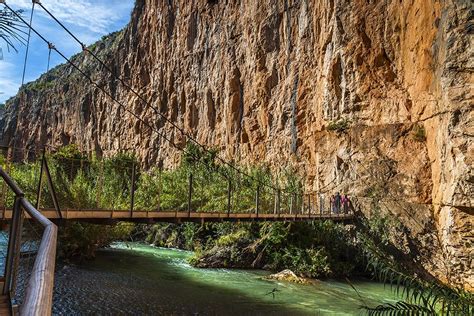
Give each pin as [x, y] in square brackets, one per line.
[136, 279]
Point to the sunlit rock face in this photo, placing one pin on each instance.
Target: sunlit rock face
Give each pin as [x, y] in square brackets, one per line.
[371, 98]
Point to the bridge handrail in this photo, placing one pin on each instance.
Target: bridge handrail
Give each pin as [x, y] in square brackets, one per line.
[39, 291]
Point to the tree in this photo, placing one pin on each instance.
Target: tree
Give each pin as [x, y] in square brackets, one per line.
[12, 31]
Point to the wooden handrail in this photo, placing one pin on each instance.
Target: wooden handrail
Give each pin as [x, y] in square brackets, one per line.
[39, 291]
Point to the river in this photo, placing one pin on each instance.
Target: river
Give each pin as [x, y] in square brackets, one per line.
[137, 279]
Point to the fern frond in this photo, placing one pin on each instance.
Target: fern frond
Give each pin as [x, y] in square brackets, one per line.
[400, 308]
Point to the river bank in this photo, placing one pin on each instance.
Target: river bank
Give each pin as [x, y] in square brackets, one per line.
[311, 250]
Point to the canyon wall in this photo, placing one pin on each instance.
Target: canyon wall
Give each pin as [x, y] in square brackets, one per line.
[372, 98]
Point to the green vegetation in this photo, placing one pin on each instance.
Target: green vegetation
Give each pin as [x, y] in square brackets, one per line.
[420, 297]
[83, 182]
[79, 241]
[419, 133]
[90, 183]
[339, 125]
[40, 85]
[316, 249]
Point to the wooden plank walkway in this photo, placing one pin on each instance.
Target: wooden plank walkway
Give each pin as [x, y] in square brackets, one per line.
[5, 304]
[163, 216]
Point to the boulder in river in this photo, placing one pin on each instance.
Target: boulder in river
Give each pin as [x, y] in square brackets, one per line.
[287, 275]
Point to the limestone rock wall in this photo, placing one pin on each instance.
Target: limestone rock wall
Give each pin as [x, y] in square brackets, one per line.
[267, 81]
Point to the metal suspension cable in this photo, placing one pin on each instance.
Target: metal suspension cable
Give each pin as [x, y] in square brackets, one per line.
[96, 85]
[84, 47]
[15, 140]
[393, 198]
[87, 77]
[27, 44]
[50, 47]
[147, 103]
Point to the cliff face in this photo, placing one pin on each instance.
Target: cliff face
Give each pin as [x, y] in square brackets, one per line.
[372, 98]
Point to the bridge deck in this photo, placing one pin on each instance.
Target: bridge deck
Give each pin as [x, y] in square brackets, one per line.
[181, 216]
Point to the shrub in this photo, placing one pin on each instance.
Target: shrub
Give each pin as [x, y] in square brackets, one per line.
[80, 240]
[40, 85]
[419, 133]
[233, 238]
[339, 125]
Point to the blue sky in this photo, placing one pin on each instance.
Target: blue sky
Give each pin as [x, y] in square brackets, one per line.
[89, 20]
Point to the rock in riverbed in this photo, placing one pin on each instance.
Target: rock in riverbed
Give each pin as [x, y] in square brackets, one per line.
[287, 275]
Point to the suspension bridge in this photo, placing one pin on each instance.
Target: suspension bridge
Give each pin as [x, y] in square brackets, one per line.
[115, 190]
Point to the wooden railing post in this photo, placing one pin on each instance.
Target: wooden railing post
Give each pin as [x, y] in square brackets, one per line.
[257, 200]
[13, 253]
[40, 182]
[17, 251]
[190, 192]
[132, 190]
[302, 204]
[229, 195]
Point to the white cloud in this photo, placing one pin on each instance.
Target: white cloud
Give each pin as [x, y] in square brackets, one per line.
[95, 16]
[9, 81]
[87, 19]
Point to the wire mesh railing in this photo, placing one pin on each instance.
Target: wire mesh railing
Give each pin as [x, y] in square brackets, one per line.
[28, 250]
[30, 239]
